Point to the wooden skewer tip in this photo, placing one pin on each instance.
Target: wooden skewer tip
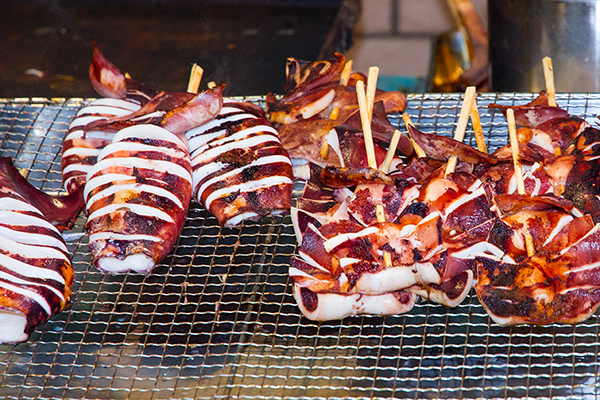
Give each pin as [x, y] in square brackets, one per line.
[514, 147]
[549, 78]
[461, 126]
[477, 128]
[366, 124]
[195, 78]
[347, 71]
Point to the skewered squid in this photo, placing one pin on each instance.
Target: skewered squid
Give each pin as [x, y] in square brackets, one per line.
[343, 246]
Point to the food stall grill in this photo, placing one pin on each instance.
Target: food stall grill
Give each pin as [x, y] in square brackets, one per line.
[216, 319]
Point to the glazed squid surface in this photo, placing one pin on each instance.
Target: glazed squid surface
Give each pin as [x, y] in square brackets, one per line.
[137, 196]
[240, 170]
[81, 146]
[36, 274]
[343, 245]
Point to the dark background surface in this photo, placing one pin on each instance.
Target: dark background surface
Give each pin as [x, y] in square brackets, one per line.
[46, 46]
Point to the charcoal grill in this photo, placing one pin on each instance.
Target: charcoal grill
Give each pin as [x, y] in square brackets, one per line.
[216, 319]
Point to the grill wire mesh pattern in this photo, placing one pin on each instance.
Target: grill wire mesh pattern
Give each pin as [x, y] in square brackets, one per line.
[216, 319]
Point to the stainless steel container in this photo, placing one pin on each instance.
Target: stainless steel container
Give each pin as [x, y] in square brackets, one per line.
[523, 32]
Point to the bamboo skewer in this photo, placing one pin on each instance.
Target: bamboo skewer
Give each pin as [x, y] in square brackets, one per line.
[346, 73]
[461, 126]
[366, 124]
[391, 151]
[549, 78]
[514, 146]
[365, 104]
[477, 129]
[407, 121]
[345, 77]
[550, 90]
[195, 78]
[371, 89]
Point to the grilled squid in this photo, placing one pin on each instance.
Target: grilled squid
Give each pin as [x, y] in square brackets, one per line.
[240, 170]
[36, 274]
[81, 146]
[137, 196]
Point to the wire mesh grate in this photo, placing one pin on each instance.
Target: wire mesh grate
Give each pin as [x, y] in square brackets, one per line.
[216, 319]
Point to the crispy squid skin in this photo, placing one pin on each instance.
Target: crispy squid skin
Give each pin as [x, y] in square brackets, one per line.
[531, 292]
[557, 284]
[240, 170]
[35, 269]
[137, 196]
[310, 89]
[343, 247]
[534, 113]
[442, 148]
[338, 177]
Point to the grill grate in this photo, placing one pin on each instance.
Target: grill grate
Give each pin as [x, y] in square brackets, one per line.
[216, 319]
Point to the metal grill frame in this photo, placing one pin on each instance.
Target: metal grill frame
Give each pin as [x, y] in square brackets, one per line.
[216, 319]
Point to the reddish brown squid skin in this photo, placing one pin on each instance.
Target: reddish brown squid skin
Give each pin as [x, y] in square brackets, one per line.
[142, 211]
[60, 210]
[44, 265]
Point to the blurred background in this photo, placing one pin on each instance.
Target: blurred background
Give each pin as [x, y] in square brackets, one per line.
[47, 44]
